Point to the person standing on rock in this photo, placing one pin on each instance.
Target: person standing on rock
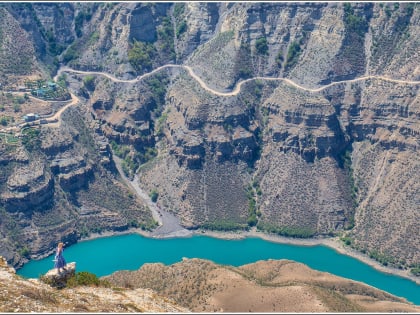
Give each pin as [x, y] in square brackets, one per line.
[60, 262]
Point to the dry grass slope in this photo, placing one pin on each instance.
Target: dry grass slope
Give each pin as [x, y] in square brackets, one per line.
[264, 286]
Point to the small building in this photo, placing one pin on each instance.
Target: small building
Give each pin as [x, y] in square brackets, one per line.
[30, 117]
[38, 92]
[52, 85]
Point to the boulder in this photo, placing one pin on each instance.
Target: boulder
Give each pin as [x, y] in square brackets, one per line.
[59, 279]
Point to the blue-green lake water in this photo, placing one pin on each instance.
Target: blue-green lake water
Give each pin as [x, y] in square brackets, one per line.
[104, 256]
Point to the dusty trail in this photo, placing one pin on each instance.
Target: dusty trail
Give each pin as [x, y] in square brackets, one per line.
[238, 87]
[57, 115]
[235, 91]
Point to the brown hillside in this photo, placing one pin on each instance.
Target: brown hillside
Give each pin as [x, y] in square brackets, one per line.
[264, 286]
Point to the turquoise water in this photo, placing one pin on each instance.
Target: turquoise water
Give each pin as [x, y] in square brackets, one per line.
[103, 256]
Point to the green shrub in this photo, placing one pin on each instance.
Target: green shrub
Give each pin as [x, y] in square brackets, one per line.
[25, 252]
[31, 139]
[354, 23]
[279, 59]
[346, 240]
[223, 225]
[85, 278]
[4, 121]
[166, 36]
[243, 63]
[383, 258]
[70, 54]
[157, 85]
[179, 9]
[154, 195]
[293, 54]
[290, 231]
[140, 56]
[415, 270]
[252, 220]
[89, 82]
[182, 28]
[261, 46]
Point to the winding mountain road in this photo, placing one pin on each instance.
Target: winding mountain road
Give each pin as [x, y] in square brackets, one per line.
[238, 87]
[57, 115]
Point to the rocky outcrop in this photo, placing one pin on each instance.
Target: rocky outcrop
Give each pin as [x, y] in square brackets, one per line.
[33, 295]
[304, 123]
[29, 186]
[57, 279]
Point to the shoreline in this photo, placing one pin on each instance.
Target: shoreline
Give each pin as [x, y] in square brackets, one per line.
[333, 243]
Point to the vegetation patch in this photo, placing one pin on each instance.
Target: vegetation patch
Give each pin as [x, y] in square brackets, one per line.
[347, 240]
[415, 270]
[89, 82]
[154, 195]
[261, 46]
[84, 278]
[293, 54]
[30, 139]
[243, 62]
[9, 139]
[383, 258]
[354, 23]
[140, 56]
[289, 231]
[166, 37]
[344, 161]
[80, 19]
[252, 193]
[70, 54]
[132, 158]
[223, 225]
[6, 120]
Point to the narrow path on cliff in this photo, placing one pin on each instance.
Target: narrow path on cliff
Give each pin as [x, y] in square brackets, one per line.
[237, 88]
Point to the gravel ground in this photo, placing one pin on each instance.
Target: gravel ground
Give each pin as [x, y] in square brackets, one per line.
[168, 223]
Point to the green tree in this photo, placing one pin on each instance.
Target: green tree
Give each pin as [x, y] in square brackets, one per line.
[89, 82]
[140, 56]
[261, 46]
[182, 28]
[3, 121]
[70, 54]
[154, 195]
[293, 54]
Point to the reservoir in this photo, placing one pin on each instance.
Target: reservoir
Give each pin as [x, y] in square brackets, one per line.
[106, 255]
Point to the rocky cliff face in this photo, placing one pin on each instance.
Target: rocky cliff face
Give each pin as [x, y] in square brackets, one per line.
[60, 187]
[332, 151]
[31, 295]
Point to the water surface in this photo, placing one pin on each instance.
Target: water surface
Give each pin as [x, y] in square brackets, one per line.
[104, 256]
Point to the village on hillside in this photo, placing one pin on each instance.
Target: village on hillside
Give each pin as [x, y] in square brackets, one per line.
[32, 103]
